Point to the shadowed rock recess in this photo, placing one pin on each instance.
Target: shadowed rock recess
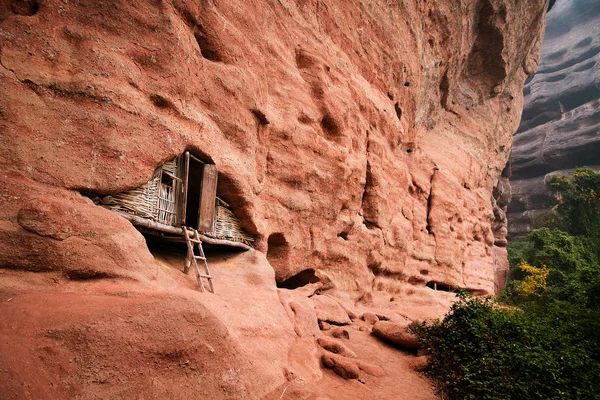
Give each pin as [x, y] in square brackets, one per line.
[560, 129]
[359, 141]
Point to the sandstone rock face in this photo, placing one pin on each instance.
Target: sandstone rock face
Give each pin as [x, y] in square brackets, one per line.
[560, 128]
[328, 310]
[420, 363]
[366, 153]
[335, 346]
[361, 140]
[342, 366]
[396, 334]
[370, 318]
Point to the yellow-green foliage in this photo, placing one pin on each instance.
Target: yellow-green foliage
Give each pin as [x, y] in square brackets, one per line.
[535, 281]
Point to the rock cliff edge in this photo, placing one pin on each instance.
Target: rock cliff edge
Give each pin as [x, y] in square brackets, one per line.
[362, 141]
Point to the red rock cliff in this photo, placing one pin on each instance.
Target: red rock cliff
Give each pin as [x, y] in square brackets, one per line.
[359, 139]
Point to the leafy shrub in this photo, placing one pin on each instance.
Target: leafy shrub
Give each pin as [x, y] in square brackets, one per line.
[580, 203]
[518, 250]
[547, 344]
[559, 250]
[483, 351]
[574, 270]
[534, 283]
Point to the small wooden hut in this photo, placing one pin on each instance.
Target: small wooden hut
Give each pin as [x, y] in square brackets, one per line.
[182, 193]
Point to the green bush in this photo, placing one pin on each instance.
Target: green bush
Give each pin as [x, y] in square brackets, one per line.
[579, 206]
[518, 250]
[574, 267]
[483, 351]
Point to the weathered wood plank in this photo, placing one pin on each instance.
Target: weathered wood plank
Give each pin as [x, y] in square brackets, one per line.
[184, 168]
[208, 196]
[146, 223]
[139, 221]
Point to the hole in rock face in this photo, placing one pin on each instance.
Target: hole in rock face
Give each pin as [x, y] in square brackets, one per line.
[87, 275]
[300, 279]
[160, 101]
[24, 7]
[207, 47]
[406, 84]
[172, 251]
[398, 111]
[439, 286]
[277, 250]
[486, 63]
[260, 116]
[165, 249]
[329, 125]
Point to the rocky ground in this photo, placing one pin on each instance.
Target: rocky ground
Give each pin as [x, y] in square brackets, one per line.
[119, 338]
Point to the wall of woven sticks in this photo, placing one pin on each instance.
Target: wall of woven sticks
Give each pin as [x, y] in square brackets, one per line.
[229, 227]
[155, 200]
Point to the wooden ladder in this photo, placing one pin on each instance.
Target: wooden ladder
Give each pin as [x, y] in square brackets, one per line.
[192, 237]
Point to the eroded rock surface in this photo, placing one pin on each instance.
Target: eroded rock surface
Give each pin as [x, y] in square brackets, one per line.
[361, 140]
[560, 129]
[344, 367]
[365, 153]
[396, 334]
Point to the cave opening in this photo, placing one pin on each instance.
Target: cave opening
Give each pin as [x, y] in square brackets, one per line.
[398, 110]
[208, 48]
[172, 251]
[182, 194]
[435, 285]
[302, 278]
[344, 235]
[330, 126]
[277, 250]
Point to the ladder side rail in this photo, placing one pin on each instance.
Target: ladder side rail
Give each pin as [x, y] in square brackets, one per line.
[193, 259]
[206, 270]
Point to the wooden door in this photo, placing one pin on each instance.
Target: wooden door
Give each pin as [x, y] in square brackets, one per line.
[208, 197]
[183, 171]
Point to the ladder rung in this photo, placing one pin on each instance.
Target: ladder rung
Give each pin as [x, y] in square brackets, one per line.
[191, 236]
